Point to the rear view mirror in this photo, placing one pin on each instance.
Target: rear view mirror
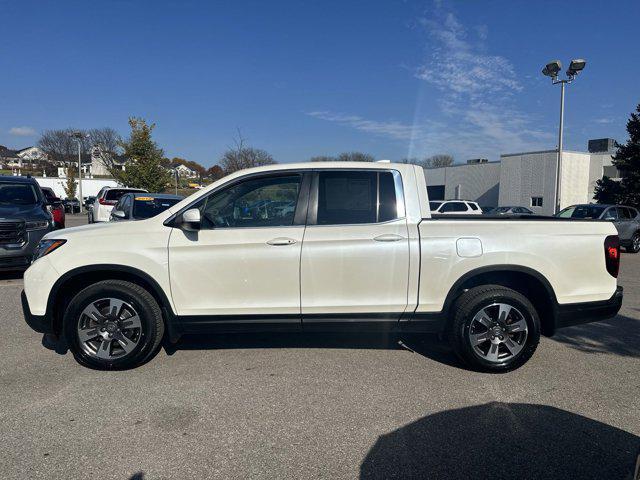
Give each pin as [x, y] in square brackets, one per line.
[190, 220]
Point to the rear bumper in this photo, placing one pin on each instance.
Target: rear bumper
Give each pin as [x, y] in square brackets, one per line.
[577, 313]
[41, 324]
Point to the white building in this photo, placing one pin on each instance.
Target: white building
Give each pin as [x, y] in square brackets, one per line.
[186, 172]
[525, 179]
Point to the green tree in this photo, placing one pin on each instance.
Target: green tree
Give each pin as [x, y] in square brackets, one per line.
[70, 185]
[144, 169]
[627, 161]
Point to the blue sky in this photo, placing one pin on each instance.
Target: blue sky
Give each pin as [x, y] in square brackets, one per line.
[305, 78]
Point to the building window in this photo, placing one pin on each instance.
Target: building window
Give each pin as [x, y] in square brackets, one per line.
[536, 201]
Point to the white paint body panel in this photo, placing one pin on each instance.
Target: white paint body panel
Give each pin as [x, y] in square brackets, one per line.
[330, 269]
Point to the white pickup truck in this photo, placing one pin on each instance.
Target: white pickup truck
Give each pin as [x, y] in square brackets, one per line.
[321, 246]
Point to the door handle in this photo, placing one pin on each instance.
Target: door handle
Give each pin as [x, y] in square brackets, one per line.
[388, 237]
[281, 241]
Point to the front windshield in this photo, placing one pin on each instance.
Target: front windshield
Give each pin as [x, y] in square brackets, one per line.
[502, 209]
[147, 207]
[17, 194]
[582, 211]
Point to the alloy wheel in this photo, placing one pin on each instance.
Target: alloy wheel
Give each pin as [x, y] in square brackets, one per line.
[498, 332]
[109, 328]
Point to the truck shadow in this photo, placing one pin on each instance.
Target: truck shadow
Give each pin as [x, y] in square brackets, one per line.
[503, 440]
[428, 346]
[618, 336]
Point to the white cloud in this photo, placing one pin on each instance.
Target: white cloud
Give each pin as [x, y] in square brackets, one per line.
[22, 131]
[475, 93]
[603, 121]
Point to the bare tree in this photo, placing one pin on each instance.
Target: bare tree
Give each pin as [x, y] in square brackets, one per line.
[355, 157]
[435, 161]
[60, 146]
[345, 157]
[239, 156]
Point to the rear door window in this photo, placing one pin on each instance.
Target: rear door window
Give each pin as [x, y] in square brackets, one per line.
[116, 193]
[356, 197]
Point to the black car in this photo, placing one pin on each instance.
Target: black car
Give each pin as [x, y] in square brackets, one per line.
[71, 205]
[138, 206]
[24, 220]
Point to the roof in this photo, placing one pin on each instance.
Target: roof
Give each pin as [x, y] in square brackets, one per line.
[16, 179]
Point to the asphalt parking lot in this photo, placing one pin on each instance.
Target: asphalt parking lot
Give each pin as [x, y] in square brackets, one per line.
[330, 406]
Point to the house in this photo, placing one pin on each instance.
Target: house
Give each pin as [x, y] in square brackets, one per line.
[98, 166]
[185, 171]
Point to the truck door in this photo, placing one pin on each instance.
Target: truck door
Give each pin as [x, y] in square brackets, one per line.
[355, 252]
[243, 265]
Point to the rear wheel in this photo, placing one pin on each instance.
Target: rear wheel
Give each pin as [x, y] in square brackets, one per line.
[634, 246]
[494, 329]
[113, 325]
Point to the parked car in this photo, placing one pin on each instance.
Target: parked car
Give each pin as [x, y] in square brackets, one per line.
[506, 210]
[625, 219]
[139, 206]
[24, 220]
[56, 207]
[106, 198]
[454, 207]
[360, 250]
[71, 205]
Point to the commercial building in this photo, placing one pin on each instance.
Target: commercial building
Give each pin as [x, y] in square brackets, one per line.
[526, 179]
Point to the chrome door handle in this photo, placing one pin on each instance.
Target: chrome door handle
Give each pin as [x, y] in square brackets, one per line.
[280, 241]
[388, 237]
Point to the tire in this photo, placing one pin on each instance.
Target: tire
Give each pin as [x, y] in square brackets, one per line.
[89, 217]
[634, 246]
[487, 341]
[101, 340]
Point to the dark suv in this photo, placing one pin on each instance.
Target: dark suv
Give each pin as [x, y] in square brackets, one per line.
[24, 220]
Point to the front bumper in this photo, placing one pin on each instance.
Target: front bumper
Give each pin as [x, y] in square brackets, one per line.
[20, 258]
[39, 323]
[577, 313]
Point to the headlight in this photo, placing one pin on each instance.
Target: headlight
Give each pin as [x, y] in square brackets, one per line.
[45, 247]
[37, 225]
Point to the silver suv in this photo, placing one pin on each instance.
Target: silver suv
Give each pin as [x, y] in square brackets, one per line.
[626, 220]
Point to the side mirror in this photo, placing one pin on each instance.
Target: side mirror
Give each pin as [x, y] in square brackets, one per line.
[190, 220]
[118, 214]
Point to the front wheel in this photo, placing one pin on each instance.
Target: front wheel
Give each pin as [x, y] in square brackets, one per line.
[634, 246]
[113, 325]
[494, 328]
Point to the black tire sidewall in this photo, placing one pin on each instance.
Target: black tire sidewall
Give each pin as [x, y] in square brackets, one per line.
[103, 290]
[463, 323]
[631, 248]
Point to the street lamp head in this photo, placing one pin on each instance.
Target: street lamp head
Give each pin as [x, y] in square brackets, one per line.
[552, 69]
[576, 66]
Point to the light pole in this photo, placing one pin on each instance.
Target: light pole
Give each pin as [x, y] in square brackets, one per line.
[552, 69]
[79, 136]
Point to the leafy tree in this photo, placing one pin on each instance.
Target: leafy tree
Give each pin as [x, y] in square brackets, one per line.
[239, 157]
[214, 173]
[627, 161]
[608, 191]
[144, 169]
[70, 185]
[435, 161]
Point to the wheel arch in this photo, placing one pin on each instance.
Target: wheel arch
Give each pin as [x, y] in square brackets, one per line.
[70, 283]
[527, 281]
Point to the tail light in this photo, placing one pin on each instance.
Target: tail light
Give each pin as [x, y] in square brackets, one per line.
[612, 254]
[102, 201]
